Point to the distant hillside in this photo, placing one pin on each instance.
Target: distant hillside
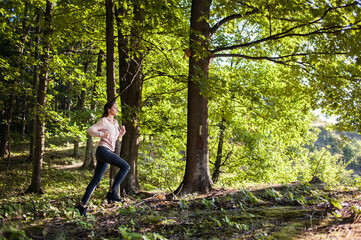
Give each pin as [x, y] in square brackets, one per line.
[322, 125]
[349, 150]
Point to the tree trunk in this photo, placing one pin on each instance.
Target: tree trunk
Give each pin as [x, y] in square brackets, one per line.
[80, 106]
[4, 140]
[26, 30]
[23, 117]
[34, 89]
[89, 157]
[76, 152]
[35, 186]
[6, 127]
[89, 161]
[131, 83]
[110, 57]
[110, 65]
[197, 174]
[217, 167]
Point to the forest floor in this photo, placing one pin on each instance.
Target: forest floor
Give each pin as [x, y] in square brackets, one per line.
[292, 211]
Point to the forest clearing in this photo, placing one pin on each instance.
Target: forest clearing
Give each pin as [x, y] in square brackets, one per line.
[298, 210]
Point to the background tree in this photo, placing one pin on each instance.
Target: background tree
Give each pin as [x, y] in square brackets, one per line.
[197, 175]
[131, 82]
[17, 22]
[110, 62]
[35, 185]
[35, 85]
[163, 114]
[270, 31]
[137, 22]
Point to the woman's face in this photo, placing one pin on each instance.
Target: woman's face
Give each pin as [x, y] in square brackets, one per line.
[113, 110]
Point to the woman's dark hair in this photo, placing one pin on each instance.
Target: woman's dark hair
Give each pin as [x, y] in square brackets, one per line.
[107, 106]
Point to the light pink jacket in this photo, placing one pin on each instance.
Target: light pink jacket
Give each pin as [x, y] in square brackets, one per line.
[105, 124]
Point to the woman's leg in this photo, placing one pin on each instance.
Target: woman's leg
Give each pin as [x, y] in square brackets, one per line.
[98, 174]
[123, 170]
[123, 166]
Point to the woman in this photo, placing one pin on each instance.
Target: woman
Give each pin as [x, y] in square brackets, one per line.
[108, 130]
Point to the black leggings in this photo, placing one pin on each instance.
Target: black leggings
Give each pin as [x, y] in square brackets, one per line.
[104, 157]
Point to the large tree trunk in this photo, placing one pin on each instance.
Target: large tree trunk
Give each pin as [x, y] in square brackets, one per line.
[89, 161]
[35, 186]
[110, 65]
[131, 83]
[197, 175]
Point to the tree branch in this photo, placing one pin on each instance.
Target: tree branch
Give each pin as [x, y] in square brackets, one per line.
[288, 33]
[272, 59]
[276, 58]
[230, 18]
[327, 30]
[82, 51]
[163, 93]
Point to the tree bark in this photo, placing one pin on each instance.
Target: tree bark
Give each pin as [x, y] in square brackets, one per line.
[34, 90]
[217, 167]
[76, 152]
[197, 174]
[110, 56]
[89, 161]
[110, 59]
[23, 117]
[35, 186]
[131, 83]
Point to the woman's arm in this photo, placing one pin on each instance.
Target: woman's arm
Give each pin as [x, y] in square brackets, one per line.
[94, 130]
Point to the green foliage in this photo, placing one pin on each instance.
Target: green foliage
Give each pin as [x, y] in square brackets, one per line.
[335, 204]
[272, 194]
[312, 62]
[356, 211]
[248, 196]
[183, 204]
[209, 203]
[130, 235]
[327, 167]
[10, 232]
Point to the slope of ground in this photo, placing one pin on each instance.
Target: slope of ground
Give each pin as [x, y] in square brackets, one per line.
[293, 211]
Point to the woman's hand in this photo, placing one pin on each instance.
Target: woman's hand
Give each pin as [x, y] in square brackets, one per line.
[106, 135]
[122, 131]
